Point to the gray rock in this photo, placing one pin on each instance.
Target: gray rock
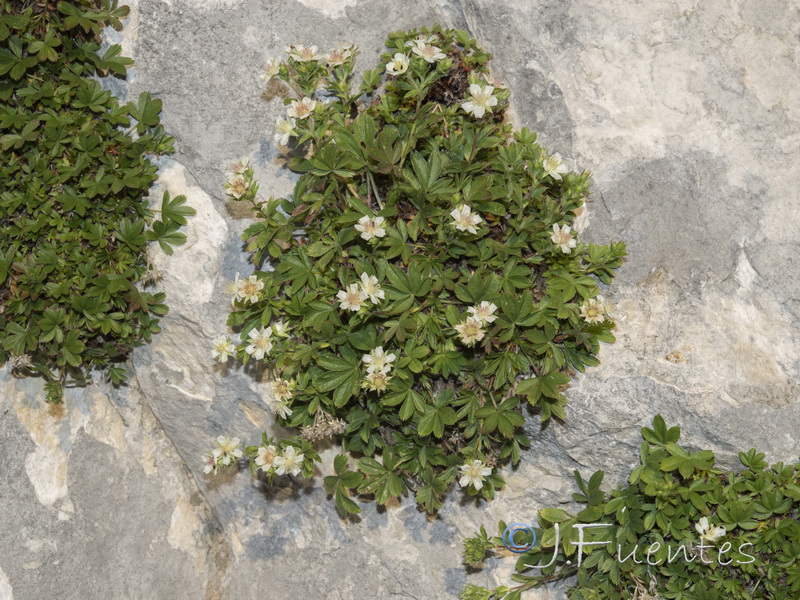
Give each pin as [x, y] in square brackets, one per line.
[689, 117]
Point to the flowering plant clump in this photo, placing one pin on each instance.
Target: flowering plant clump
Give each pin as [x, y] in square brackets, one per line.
[427, 272]
[682, 529]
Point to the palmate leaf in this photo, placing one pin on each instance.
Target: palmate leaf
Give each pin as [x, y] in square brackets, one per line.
[173, 209]
[146, 111]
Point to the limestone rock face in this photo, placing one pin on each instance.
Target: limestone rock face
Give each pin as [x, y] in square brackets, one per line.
[688, 115]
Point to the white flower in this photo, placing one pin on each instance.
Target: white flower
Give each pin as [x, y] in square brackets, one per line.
[280, 329]
[337, 57]
[236, 185]
[428, 52]
[494, 82]
[282, 389]
[223, 347]
[377, 360]
[240, 166]
[594, 311]
[707, 532]
[563, 238]
[266, 456]
[484, 312]
[370, 227]
[227, 449]
[270, 70]
[470, 331]
[289, 462]
[581, 221]
[281, 408]
[210, 461]
[300, 109]
[376, 381]
[284, 129]
[480, 101]
[302, 53]
[464, 220]
[248, 289]
[371, 287]
[553, 166]
[260, 343]
[352, 297]
[474, 474]
[398, 65]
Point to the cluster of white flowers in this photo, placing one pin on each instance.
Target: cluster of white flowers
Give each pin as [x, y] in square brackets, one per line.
[356, 294]
[289, 461]
[562, 237]
[258, 343]
[224, 454]
[464, 219]
[379, 368]
[423, 47]
[474, 474]
[594, 310]
[471, 330]
[370, 227]
[481, 99]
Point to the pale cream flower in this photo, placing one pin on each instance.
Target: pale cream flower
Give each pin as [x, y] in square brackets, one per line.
[249, 289]
[228, 449]
[470, 331]
[376, 381]
[223, 347]
[484, 312]
[563, 238]
[210, 460]
[428, 52]
[480, 101]
[494, 82]
[474, 473]
[554, 167]
[352, 297]
[301, 109]
[237, 185]
[284, 129]
[282, 389]
[260, 343]
[337, 57]
[581, 220]
[594, 310]
[370, 227]
[377, 360]
[289, 462]
[266, 456]
[398, 65]
[281, 408]
[707, 532]
[302, 53]
[280, 329]
[270, 70]
[422, 40]
[240, 166]
[371, 287]
[464, 219]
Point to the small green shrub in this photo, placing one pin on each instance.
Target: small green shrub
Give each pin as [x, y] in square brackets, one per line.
[74, 221]
[682, 529]
[428, 283]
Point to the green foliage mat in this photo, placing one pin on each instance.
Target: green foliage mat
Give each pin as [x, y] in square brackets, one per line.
[681, 530]
[74, 220]
[429, 287]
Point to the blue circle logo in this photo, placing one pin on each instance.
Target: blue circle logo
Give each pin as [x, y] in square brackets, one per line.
[511, 544]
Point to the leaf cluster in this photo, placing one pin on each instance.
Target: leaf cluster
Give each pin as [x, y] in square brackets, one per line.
[757, 554]
[74, 219]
